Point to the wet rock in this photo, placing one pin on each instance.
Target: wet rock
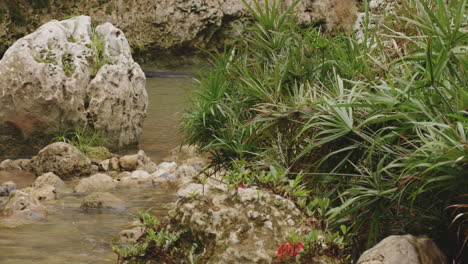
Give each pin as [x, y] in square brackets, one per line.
[19, 164]
[55, 85]
[160, 177]
[42, 193]
[245, 226]
[104, 165]
[98, 153]
[183, 175]
[169, 167]
[63, 159]
[137, 161]
[48, 179]
[131, 235]
[137, 177]
[129, 162]
[24, 206]
[405, 249]
[114, 164]
[96, 182]
[102, 200]
[160, 173]
[7, 187]
[197, 162]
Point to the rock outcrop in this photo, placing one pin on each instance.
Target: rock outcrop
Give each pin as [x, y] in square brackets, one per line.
[405, 249]
[169, 25]
[63, 159]
[244, 227]
[69, 74]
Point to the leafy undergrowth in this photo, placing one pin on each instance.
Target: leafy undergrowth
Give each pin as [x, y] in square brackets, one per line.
[170, 241]
[163, 242]
[86, 139]
[376, 125]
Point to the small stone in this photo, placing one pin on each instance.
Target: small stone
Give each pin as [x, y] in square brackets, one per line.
[102, 200]
[98, 153]
[104, 165]
[42, 193]
[114, 164]
[136, 178]
[7, 187]
[129, 162]
[183, 175]
[48, 179]
[19, 164]
[97, 182]
[131, 235]
[170, 167]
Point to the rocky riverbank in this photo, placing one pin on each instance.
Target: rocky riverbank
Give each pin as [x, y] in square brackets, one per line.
[229, 224]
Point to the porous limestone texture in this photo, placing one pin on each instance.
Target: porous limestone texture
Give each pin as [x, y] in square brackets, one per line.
[18, 165]
[97, 182]
[102, 200]
[63, 159]
[246, 226]
[405, 249]
[42, 193]
[175, 25]
[21, 205]
[48, 178]
[68, 74]
[7, 187]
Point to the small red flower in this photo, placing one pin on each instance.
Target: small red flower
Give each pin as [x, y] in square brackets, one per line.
[289, 249]
[240, 186]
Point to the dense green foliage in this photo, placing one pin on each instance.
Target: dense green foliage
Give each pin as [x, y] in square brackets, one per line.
[377, 124]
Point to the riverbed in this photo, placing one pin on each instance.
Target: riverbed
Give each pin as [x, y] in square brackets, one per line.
[70, 235]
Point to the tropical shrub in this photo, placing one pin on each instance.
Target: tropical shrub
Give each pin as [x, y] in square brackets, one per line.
[377, 124]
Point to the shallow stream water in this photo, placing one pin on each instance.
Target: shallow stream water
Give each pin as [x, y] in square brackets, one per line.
[70, 235]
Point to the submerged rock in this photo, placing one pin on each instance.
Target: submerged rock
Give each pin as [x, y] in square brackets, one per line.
[58, 81]
[7, 187]
[405, 249]
[19, 164]
[97, 182]
[48, 179]
[42, 193]
[102, 200]
[23, 206]
[63, 159]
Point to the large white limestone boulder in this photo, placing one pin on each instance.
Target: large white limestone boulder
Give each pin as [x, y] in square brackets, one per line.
[68, 74]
